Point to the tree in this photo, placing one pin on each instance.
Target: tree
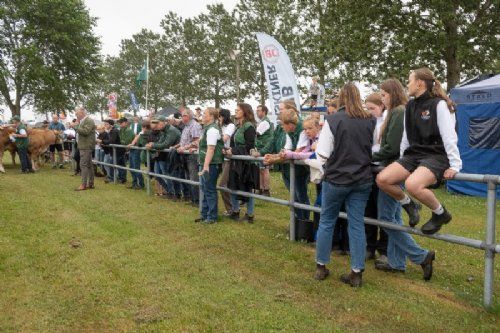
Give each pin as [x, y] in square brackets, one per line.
[453, 38]
[217, 37]
[48, 55]
[276, 18]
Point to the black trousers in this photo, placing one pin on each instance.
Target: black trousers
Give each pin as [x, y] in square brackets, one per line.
[376, 238]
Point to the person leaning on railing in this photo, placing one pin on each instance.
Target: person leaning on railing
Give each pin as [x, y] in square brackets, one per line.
[210, 159]
[243, 175]
[126, 137]
[189, 143]
[113, 138]
[136, 155]
[228, 128]
[169, 136]
[345, 143]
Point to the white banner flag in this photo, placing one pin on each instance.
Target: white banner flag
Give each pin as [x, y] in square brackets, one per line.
[279, 73]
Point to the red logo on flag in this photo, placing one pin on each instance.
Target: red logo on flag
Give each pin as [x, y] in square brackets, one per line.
[271, 54]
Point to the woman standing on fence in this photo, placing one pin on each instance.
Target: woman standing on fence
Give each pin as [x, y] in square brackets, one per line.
[428, 151]
[228, 129]
[345, 143]
[243, 175]
[210, 159]
[400, 244]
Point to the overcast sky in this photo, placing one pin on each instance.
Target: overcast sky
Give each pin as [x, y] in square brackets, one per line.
[122, 19]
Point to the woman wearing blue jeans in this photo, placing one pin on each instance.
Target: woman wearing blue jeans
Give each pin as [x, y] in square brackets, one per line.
[210, 159]
[345, 143]
[400, 244]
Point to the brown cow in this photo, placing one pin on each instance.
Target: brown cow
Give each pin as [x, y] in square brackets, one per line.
[40, 140]
[6, 144]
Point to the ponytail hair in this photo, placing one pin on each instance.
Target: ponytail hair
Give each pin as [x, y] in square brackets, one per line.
[433, 86]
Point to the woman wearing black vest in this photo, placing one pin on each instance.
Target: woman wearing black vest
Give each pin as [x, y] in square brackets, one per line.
[345, 143]
[428, 151]
[210, 160]
[400, 244]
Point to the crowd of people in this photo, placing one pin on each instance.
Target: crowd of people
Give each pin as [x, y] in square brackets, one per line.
[373, 158]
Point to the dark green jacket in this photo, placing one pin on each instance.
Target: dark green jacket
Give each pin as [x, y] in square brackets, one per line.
[86, 134]
[126, 136]
[391, 137]
[276, 142]
[262, 140]
[22, 142]
[218, 157]
[170, 136]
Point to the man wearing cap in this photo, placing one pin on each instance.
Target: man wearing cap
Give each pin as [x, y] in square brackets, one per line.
[22, 142]
[169, 136]
[55, 125]
[198, 115]
[126, 137]
[86, 141]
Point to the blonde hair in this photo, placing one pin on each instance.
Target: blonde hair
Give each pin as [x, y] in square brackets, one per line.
[350, 99]
[375, 98]
[433, 86]
[312, 120]
[213, 112]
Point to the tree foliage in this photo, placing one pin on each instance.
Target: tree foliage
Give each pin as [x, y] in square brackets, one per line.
[49, 55]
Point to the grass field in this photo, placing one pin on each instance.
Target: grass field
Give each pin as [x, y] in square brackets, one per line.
[116, 260]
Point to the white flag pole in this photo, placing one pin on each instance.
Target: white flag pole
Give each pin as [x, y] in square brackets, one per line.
[147, 80]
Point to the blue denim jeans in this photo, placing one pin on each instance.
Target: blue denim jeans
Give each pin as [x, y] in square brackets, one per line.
[134, 159]
[174, 187]
[300, 195]
[355, 198]
[161, 169]
[235, 204]
[208, 182]
[400, 244]
[108, 158]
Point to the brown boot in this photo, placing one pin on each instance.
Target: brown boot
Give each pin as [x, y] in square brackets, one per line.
[354, 279]
[81, 188]
[427, 265]
[321, 272]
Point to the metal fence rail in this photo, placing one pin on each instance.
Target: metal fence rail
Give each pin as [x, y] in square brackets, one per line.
[487, 245]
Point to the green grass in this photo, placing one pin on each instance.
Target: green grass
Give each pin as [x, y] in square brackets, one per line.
[116, 260]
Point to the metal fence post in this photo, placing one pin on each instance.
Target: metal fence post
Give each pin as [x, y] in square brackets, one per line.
[115, 172]
[147, 179]
[200, 192]
[292, 201]
[489, 253]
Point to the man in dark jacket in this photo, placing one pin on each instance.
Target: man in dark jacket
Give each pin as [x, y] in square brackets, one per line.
[113, 137]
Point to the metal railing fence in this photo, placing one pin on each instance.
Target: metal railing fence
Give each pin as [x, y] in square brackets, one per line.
[487, 245]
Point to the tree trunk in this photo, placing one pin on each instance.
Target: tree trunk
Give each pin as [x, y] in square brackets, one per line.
[450, 49]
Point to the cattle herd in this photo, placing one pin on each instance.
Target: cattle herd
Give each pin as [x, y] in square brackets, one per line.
[39, 142]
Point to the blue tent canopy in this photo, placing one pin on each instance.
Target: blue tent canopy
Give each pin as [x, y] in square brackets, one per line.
[478, 128]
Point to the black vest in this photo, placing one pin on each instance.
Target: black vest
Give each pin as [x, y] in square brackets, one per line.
[352, 149]
[422, 128]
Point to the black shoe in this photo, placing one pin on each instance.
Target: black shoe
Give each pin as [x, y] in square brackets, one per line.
[131, 187]
[198, 220]
[353, 279]
[321, 272]
[235, 216]
[383, 266]
[427, 265]
[139, 187]
[107, 181]
[266, 193]
[54, 167]
[208, 222]
[247, 218]
[370, 255]
[436, 222]
[412, 209]
[122, 181]
[61, 166]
